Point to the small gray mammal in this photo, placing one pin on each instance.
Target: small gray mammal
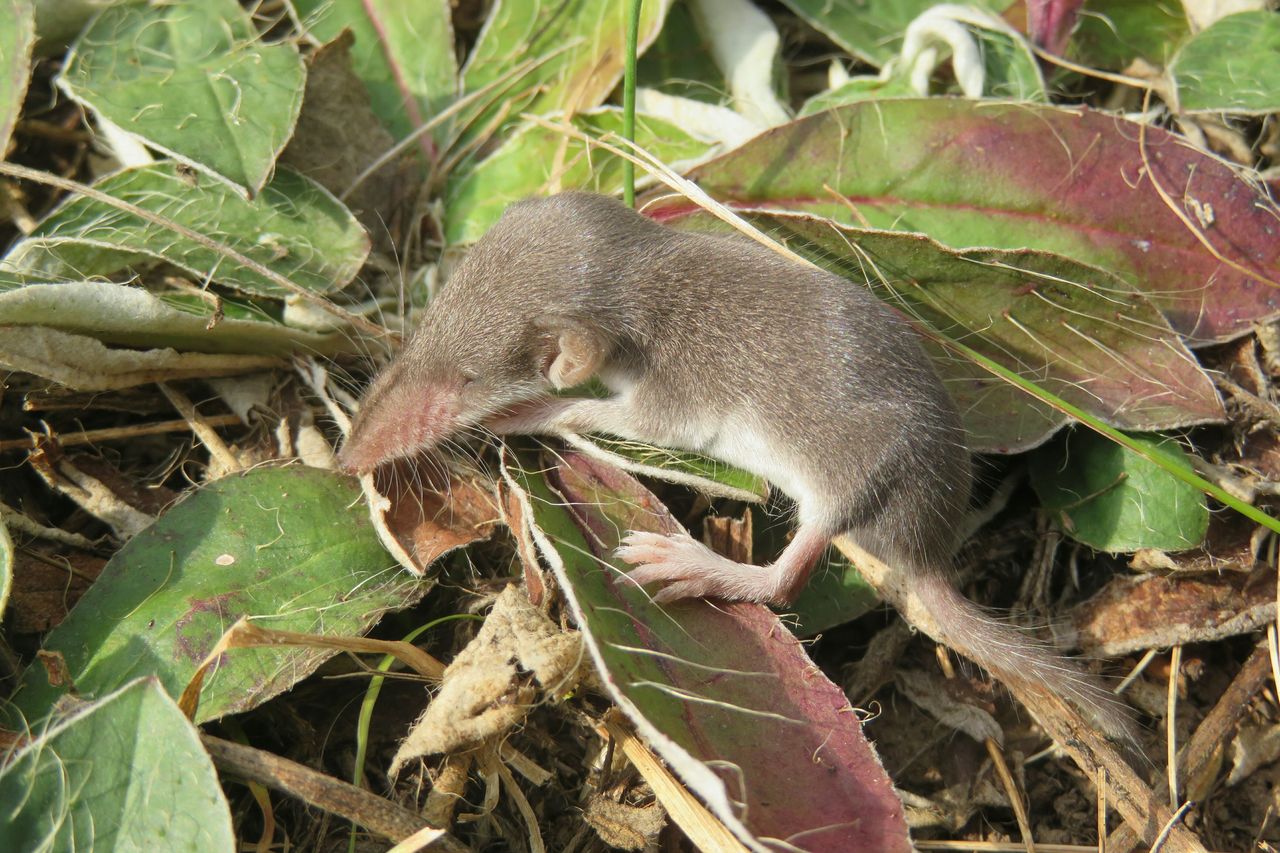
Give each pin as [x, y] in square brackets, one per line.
[717, 345]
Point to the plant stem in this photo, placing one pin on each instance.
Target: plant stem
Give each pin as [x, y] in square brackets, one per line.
[629, 102]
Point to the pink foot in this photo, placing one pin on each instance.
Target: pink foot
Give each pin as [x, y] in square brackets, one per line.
[692, 570]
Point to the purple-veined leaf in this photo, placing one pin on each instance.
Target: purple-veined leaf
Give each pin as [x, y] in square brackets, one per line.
[1019, 176]
[724, 693]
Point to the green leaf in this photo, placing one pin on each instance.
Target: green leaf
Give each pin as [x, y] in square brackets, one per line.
[535, 160]
[292, 547]
[1233, 66]
[718, 479]
[17, 35]
[858, 89]
[679, 61]
[836, 594]
[1113, 33]
[124, 773]
[580, 48]
[1111, 499]
[194, 80]
[871, 29]
[131, 316]
[294, 227]
[403, 53]
[1012, 70]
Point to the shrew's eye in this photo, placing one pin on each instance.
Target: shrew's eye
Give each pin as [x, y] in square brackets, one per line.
[468, 377]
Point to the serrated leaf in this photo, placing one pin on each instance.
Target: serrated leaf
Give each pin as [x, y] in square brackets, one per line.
[1233, 66]
[294, 227]
[194, 80]
[535, 160]
[292, 547]
[1113, 33]
[124, 773]
[403, 53]
[1111, 499]
[871, 29]
[581, 49]
[17, 35]
[786, 760]
[1072, 182]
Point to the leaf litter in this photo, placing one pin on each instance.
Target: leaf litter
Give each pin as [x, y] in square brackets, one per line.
[1100, 224]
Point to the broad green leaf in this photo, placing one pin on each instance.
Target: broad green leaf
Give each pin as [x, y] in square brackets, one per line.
[131, 316]
[1012, 70]
[294, 227]
[1072, 182]
[194, 80]
[679, 61]
[291, 547]
[723, 692]
[1233, 66]
[835, 594]
[858, 89]
[580, 48]
[17, 34]
[871, 29]
[1111, 499]
[535, 160]
[1113, 33]
[124, 773]
[6, 567]
[403, 53]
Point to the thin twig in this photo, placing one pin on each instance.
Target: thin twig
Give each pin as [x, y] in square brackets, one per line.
[376, 814]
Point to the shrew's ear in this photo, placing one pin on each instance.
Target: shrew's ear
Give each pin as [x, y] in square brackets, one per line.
[571, 351]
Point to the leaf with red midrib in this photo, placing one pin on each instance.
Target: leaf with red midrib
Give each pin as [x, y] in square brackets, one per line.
[1014, 176]
[723, 693]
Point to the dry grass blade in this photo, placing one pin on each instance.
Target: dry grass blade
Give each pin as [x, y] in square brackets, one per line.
[245, 635]
[691, 816]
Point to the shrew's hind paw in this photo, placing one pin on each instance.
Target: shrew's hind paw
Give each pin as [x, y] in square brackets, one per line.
[690, 569]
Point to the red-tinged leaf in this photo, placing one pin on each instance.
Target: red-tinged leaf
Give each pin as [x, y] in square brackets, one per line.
[724, 693]
[1050, 22]
[1025, 176]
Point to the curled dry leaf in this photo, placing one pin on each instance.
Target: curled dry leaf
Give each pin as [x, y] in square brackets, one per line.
[422, 511]
[937, 696]
[625, 827]
[484, 693]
